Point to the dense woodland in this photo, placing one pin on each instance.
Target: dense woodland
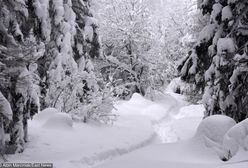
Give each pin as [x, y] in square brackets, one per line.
[64, 54]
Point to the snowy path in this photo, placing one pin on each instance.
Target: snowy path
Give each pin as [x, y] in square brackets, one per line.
[142, 109]
[172, 127]
[164, 128]
[135, 140]
[180, 148]
[87, 145]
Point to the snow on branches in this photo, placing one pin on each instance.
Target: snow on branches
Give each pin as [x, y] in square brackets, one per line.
[218, 73]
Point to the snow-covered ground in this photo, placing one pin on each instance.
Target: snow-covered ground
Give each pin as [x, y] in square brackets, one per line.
[147, 134]
[189, 142]
[187, 150]
[185, 154]
[54, 139]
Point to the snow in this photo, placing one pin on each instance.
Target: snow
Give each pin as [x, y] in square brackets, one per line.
[5, 108]
[235, 138]
[19, 5]
[232, 1]
[214, 128]
[174, 129]
[217, 8]
[225, 45]
[60, 121]
[44, 115]
[41, 10]
[193, 68]
[141, 127]
[83, 145]
[88, 29]
[177, 84]
[226, 13]
[59, 11]
[191, 153]
[207, 33]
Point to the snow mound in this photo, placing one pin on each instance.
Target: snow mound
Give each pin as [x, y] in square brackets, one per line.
[235, 138]
[45, 114]
[212, 130]
[140, 106]
[137, 99]
[59, 121]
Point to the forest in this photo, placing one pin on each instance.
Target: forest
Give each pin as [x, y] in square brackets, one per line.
[124, 83]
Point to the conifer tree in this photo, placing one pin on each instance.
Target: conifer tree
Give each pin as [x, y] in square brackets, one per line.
[46, 51]
[217, 62]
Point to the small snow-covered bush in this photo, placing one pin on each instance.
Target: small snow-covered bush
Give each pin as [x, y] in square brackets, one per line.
[235, 138]
[99, 109]
[179, 86]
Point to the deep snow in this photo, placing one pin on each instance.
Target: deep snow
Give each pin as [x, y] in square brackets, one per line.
[134, 140]
[53, 138]
[201, 150]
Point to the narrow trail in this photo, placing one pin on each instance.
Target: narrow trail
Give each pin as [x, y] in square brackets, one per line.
[163, 128]
[163, 131]
[142, 123]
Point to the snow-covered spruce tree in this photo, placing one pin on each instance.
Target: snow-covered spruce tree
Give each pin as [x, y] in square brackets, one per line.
[217, 63]
[59, 39]
[5, 117]
[72, 45]
[19, 52]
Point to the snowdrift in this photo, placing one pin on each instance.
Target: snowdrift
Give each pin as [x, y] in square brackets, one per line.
[193, 153]
[53, 137]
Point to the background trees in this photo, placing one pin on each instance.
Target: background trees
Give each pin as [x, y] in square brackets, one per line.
[142, 40]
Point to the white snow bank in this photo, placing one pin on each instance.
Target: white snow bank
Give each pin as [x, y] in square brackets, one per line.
[235, 138]
[182, 121]
[45, 114]
[213, 128]
[184, 154]
[185, 123]
[138, 105]
[192, 153]
[191, 111]
[60, 121]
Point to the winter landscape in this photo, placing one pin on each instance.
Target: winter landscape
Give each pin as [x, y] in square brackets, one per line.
[124, 83]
